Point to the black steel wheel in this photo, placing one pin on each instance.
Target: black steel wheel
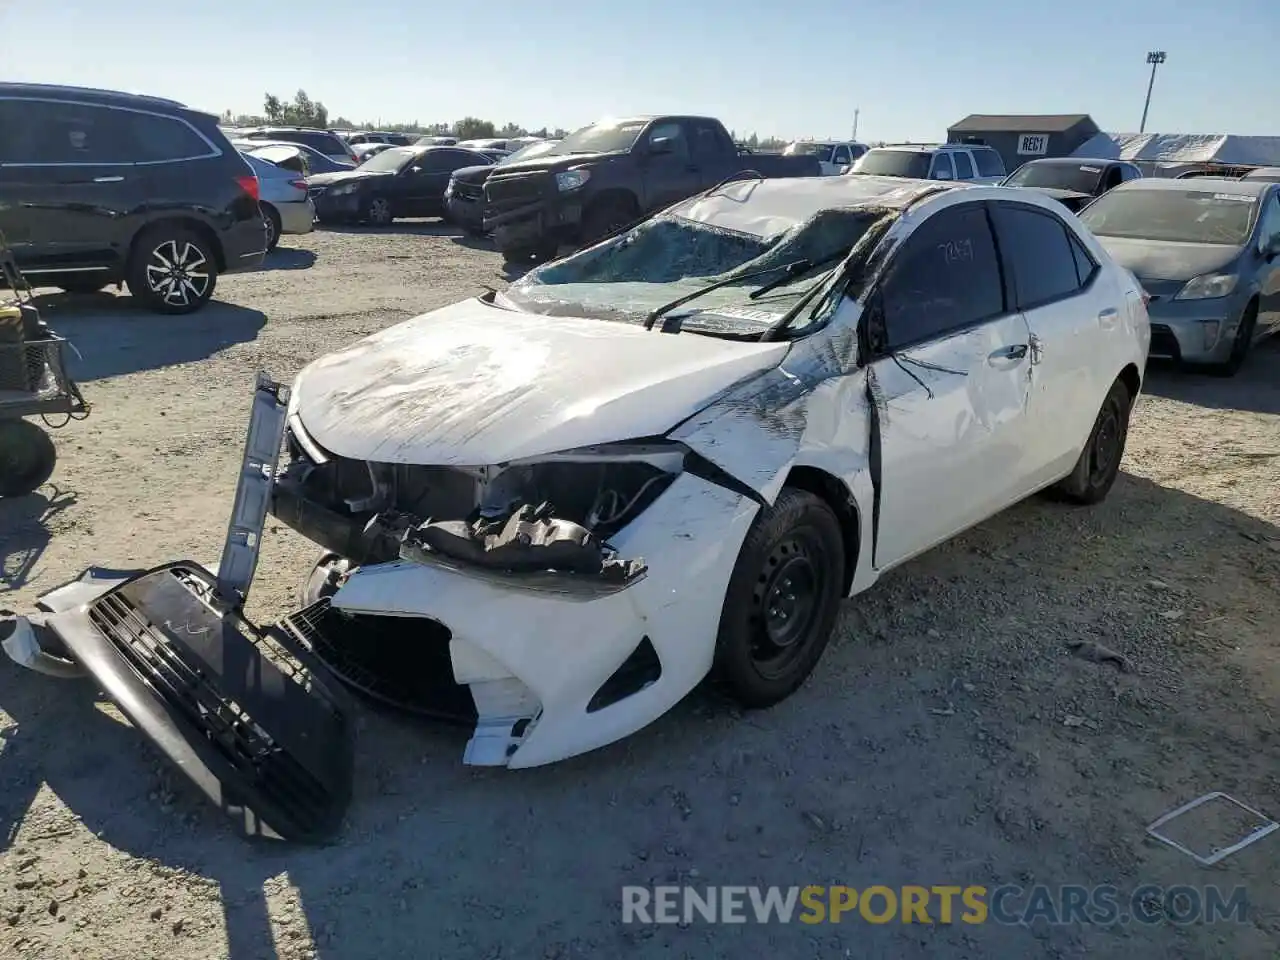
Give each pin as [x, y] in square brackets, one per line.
[1099, 464]
[782, 601]
[271, 217]
[27, 457]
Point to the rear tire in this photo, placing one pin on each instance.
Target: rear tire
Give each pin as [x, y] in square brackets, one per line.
[1099, 464]
[783, 597]
[27, 457]
[172, 270]
[271, 217]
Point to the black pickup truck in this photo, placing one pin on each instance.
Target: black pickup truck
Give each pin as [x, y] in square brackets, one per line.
[605, 176]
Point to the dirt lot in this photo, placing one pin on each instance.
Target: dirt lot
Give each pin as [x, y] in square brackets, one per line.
[948, 737]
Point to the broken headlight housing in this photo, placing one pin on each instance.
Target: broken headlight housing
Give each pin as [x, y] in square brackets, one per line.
[603, 487]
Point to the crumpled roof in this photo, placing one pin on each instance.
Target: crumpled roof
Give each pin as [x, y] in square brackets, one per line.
[1183, 148]
[767, 208]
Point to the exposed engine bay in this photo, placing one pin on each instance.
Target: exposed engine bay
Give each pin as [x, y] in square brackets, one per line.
[555, 514]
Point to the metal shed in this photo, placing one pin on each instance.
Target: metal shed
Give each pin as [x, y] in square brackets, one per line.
[1021, 138]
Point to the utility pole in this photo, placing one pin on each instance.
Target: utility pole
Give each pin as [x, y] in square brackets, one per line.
[1155, 58]
[856, 111]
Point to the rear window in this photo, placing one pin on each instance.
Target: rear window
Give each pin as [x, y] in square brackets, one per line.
[894, 163]
[988, 161]
[165, 138]
[1079, 177]
[1181, 216]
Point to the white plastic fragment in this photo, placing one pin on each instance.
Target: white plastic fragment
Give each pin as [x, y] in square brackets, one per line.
[1265, 825]
[24, 649]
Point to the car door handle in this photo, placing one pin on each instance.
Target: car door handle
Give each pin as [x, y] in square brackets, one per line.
[1015, 352]
[108, 179]
[1108, 317]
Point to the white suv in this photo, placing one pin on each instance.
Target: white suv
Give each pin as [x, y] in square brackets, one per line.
[972, 163]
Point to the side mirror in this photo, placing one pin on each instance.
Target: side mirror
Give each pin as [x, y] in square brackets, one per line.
[662, 146]
[874, 337]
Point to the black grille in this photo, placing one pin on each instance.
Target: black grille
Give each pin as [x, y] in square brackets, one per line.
[1164, 343]
[516, 189]
[471, 192]
[266, 767]
[400, 661]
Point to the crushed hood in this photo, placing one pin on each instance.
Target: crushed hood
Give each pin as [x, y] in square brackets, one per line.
[1155, 260]
[475, 384]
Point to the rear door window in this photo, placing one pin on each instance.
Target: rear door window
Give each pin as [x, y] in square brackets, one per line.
[1037, 249]
[989, 163]
[943, 168]
[842, 157]
[946, 278]
[964, 166]
[54, 132]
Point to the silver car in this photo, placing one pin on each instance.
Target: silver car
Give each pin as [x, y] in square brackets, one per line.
[283, 196]
[1207, 252]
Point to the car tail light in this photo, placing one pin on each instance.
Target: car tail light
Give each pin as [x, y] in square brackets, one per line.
[298, 184]
[1146, 298]
[249, 185]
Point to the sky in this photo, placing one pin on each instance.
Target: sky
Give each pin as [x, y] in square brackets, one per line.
[909, 67]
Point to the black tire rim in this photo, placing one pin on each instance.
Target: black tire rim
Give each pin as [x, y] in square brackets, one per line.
[787, 603]
[1108, 442]
[379, 211]
[271, 231]
[178, 273]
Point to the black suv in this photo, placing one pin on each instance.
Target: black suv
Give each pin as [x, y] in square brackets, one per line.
[98, 187]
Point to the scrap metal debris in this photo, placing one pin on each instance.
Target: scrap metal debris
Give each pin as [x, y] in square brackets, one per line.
[1097, 653]
[529, 539]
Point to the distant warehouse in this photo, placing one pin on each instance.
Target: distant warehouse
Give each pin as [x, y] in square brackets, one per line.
[1021, 138]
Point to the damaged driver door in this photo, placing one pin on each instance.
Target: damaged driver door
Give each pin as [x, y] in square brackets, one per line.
[949, 377]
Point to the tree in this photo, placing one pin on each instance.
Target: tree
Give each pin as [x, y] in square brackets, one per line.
[473, 128]
[302, 112]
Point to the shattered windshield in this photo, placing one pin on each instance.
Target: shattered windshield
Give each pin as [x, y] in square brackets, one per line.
[669, 256]
[1077, 177]
[602, 138]
[1181, 216]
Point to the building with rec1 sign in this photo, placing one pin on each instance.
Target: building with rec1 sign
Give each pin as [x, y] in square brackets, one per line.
[1021, 138]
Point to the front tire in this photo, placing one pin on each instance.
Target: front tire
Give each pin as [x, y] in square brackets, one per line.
[1099, 464]
[606, 217]
[377, 212]
[27, 457]
[783, 598]
[172, 270]
[533, 254]
[1240, 346]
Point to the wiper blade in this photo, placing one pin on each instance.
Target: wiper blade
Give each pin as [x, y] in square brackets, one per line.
[666, 308]
[794, 270]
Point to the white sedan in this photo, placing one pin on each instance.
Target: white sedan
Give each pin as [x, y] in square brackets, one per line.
[549, 513]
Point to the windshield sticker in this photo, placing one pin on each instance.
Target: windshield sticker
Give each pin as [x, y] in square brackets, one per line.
[1233, 196]
[1091, 169]
[744, 313]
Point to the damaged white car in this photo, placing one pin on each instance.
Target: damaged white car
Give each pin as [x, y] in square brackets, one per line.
[549, 513]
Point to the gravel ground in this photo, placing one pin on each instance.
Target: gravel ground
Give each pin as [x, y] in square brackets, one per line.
[949, 736]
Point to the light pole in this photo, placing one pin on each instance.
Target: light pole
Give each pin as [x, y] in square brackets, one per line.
[1155, 58]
